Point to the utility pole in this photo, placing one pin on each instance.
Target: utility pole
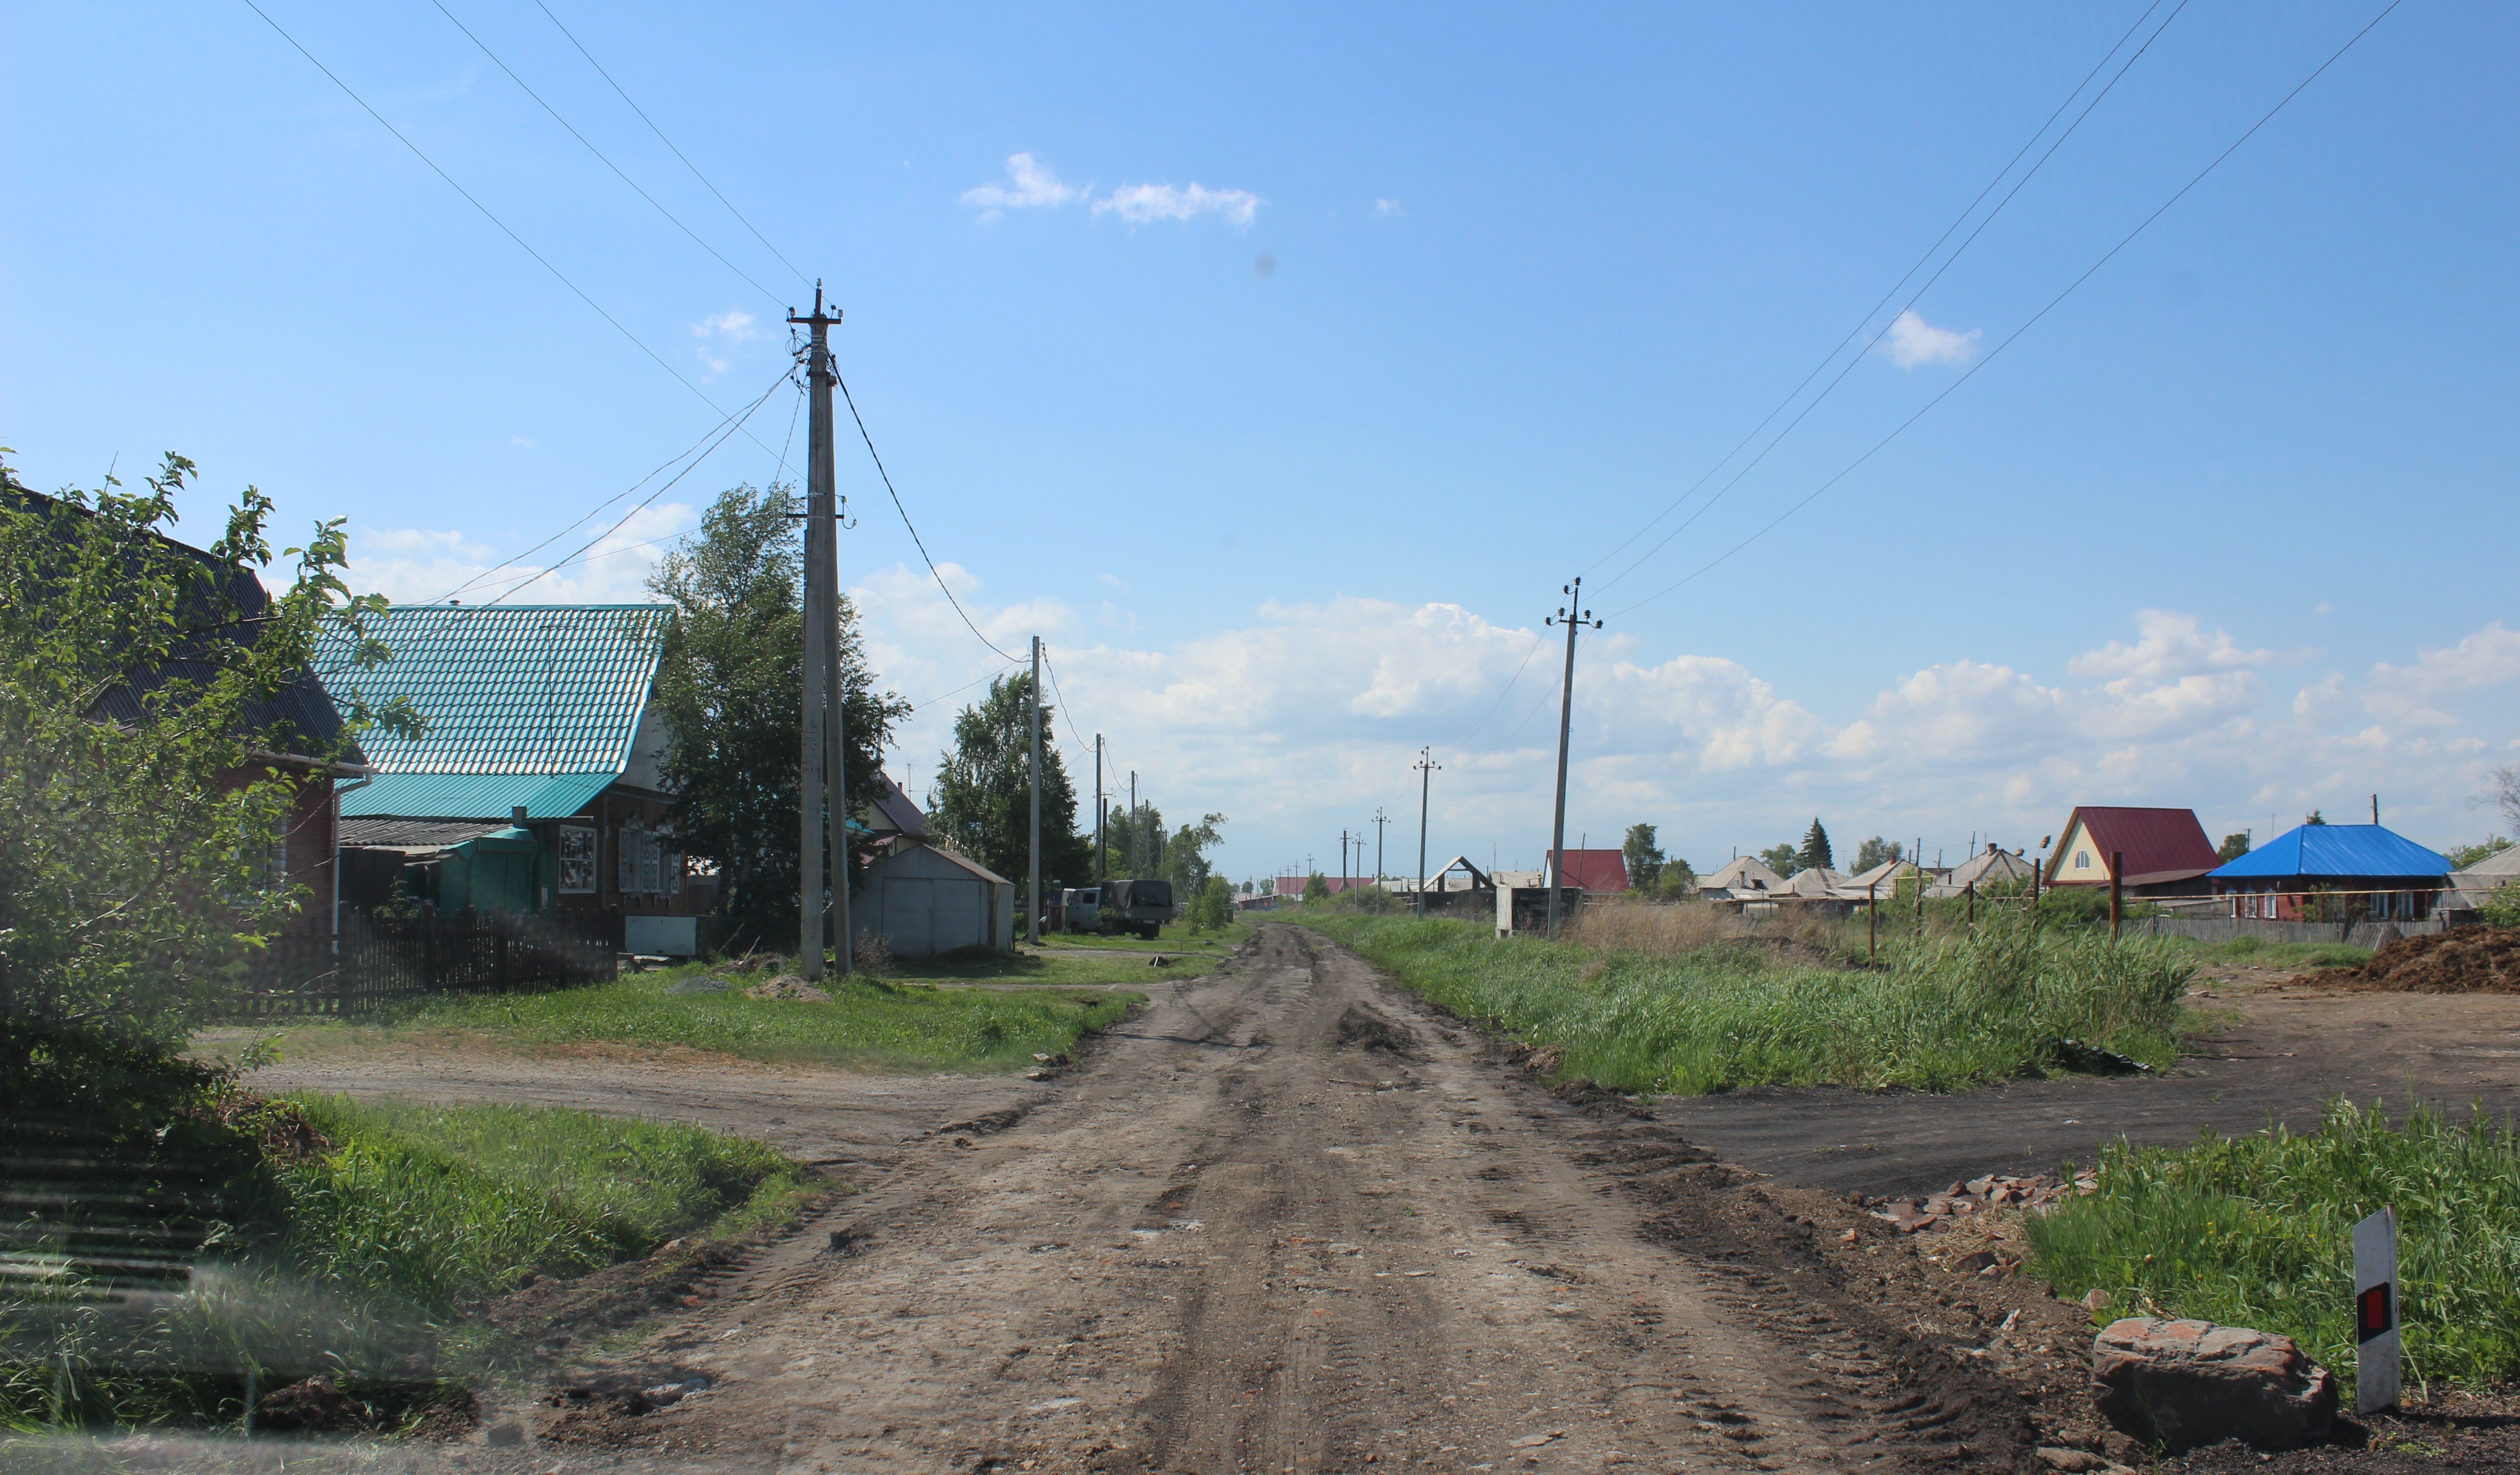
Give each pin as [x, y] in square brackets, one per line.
[822, 573]
[1032, 915]
[1379, 820]
[1426, 767]
[1133, 826]
[1098, 809]
[1343, 860]
[1574, 617]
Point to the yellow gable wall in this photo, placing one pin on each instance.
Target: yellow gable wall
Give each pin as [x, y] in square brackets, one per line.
[2078, 844]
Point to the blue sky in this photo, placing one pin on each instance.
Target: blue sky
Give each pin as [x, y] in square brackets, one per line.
[1312, 350]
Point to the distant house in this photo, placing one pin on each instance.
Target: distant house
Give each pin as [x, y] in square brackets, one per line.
[2164, 851]
[1743, 879]
[536, 786]
[1884, 876]
[2334, 873]
[2482, 880]
[1595, 870]
[1991, 868]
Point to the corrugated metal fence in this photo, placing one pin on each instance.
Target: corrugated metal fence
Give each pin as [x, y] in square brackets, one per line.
[379, 961]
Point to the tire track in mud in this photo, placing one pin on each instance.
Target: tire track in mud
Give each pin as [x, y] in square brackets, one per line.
[1287, 1218]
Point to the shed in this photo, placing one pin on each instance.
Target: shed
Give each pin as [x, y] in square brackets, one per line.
[1595, 871]
[924, 899]
[2165, 850]
[2334, 873]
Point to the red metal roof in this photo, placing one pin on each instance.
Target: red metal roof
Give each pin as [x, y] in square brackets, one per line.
[2152, 840]
[1597, 870]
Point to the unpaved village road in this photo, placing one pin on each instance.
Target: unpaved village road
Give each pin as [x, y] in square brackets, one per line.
[1286, 1219]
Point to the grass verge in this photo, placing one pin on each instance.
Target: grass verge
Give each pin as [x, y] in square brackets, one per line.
[2259, 953]
[185, 1247]
[903, 1022]
[2258, 1232]
[1943, 1014]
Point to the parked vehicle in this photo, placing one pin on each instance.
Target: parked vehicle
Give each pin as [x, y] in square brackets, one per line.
[1142, 907]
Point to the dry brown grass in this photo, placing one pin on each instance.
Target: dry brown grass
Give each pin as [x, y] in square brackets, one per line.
[1670, 928]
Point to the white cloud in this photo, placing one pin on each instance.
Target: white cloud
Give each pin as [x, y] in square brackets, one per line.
[526, 441]
[1140, 204]
[2414, 693]
[1115, 581]
[1912, 341]
[723, 328]
[1029, 185]
[2173, 645]
[1388, 207]
[414, 565]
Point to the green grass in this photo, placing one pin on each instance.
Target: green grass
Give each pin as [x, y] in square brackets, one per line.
[903, 1023]
[359, 1260]
[444, 1206]
[2258, 1232]
[1943, 1014]
[2259, 953]
[1176, 938]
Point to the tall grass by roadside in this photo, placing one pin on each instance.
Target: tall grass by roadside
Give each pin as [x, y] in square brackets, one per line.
[2258, 1232]
[1941, 1014]
[329, 1236]
[889, 1024]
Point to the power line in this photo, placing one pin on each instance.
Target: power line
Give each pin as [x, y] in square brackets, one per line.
[651, 498]
[595, 510]
[669, 144]
[1537, 641]
[1862, 322]
[486, 213]
[599, 153]
[921, 543]
[2070, 288]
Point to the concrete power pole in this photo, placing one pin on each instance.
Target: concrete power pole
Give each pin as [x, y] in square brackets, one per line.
[1343, 859]
[1574, 617]
[1379, 820]
[1426, 767]
[1032, 915]
[1098, 809]
[821, 566]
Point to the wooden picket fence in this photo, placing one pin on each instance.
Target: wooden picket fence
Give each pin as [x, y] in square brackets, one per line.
[377, 961]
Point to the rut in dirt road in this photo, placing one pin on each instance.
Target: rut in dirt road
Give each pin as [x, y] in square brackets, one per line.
[1286, 1219]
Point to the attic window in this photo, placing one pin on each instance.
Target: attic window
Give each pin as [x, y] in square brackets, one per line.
[2082, 860]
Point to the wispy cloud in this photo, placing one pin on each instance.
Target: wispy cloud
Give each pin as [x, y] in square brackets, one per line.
[1141, 204]
[1912, 341]
[1029, 185]
[719, 330]
[415, 564]
[526, 441]
[1388, 207]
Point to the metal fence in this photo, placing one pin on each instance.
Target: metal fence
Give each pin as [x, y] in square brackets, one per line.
[384, 960]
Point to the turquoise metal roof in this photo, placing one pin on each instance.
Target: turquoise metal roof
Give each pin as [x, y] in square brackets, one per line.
[507, 689]
[2351, 850]
[474, 797]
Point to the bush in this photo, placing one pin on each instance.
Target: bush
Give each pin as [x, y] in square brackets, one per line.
[2258, 1232]
[1211, 908]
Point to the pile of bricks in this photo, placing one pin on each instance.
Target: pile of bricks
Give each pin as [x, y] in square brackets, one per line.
[1979, 1195]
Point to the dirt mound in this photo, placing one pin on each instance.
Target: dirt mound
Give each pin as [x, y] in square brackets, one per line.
[788, 986]
[321, 1406]
[557, 1315]
[1367, 1030]
[2461, 960]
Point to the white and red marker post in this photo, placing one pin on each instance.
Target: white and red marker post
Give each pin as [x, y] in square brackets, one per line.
[2375, 1312]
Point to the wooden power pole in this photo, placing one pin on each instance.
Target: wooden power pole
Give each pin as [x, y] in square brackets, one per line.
[1574, 617]
[1032, 915]
[819, 738]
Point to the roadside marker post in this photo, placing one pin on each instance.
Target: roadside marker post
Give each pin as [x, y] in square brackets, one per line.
[2375, 1312]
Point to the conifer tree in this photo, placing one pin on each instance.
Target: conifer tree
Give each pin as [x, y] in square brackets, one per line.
[1815, 851]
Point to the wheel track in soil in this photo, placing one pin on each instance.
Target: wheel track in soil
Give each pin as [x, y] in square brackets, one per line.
[1243, 1235]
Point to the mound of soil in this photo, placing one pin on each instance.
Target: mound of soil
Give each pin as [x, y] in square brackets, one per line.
[788, 986]
[1368, 1030]
[2461, 960]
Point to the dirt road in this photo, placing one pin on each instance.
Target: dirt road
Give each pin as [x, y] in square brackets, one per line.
[1285, 1220]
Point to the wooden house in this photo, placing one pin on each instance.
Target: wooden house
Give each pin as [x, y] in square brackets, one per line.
[2161, 852]
[2335, 873]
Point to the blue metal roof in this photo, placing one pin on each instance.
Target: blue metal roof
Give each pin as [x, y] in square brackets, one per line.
[2335, 850]
[474, 797]
[508, 689]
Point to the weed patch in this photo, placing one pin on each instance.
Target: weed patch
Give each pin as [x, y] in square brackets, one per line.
[2258, 1232]
[1942, 1014]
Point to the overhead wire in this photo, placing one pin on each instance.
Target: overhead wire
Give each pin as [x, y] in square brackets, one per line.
[646, 502]
[917, 540]
[669, 144]
[2033, 319]
[1912, 299]
[486, 213]
[600, 153]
